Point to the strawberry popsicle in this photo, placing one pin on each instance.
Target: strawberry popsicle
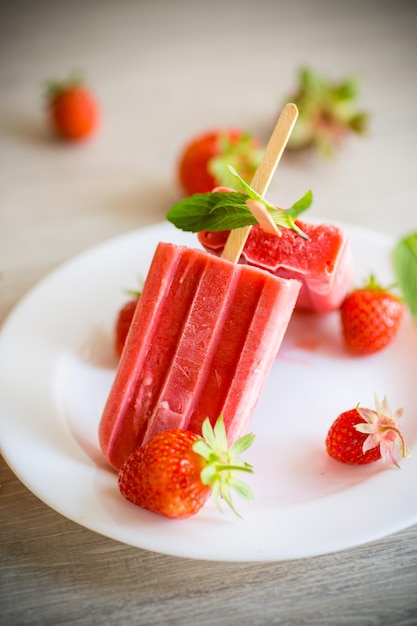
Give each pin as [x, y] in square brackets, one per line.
[323, 263]
[203, 338]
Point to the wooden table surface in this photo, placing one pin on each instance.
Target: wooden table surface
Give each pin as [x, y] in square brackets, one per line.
[164, 71]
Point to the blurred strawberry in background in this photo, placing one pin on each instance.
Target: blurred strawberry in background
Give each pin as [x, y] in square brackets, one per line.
[73, 109]
[328, 112]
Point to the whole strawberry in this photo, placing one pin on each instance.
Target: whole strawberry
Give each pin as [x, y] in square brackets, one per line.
[123, 322]
[328, 112]
[176, 471]
[203, 163]
[371, 317]
[73, 109]
[360, 436]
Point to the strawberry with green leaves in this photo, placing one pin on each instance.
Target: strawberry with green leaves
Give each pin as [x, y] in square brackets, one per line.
[203, 163]
[371, 317]
[328, 112]
[122, 326]
[176, 471]
[72, 108]
[359, 436]
[123, 321]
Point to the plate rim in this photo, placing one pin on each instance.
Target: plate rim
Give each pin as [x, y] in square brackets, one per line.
[101, 248]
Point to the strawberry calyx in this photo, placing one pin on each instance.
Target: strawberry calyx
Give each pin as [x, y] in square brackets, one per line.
[222, 464]
[328, 112]
[238, 150]
[382, 429]
[56, 87]
[134, 293]
[373, 285]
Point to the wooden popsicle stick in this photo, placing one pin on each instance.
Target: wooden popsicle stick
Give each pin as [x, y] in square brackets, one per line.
[263, 176]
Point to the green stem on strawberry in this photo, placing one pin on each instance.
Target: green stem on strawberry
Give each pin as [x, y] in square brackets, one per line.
[242, 153]
[372, 283]
[383, 430]
[222, 463]
[359, 436]
[53, 87]
[328, 112]
[176, 471]
[135, 293]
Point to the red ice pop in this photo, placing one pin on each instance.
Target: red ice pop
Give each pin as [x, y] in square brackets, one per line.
[323, 263]
[203, 338]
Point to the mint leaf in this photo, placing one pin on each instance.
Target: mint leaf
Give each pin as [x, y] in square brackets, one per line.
[281, 218]
[405, 265]
[227, 210]
[220, 210]
[251, 192]
[301, 205]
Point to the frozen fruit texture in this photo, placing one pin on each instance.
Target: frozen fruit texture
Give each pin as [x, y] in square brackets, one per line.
[323, 263]
[203, 339]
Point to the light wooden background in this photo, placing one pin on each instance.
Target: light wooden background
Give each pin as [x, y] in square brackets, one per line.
[164, 71]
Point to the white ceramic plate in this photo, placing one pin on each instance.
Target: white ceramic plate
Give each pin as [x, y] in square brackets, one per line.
[57, 366]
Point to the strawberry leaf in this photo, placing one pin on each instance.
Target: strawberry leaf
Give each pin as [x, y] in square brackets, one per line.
[405, 265]
[219, 433]
[242, 489]
[242, 444]
[243, 153]
[328, 111]
[221, 464]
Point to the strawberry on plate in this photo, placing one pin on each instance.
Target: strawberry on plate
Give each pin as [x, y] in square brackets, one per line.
[72, 108]
[176, 471]
[123, 322]
[360, 436]
[203, 163]
[371, 317]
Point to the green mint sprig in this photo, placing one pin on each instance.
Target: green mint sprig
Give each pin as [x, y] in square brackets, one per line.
[405, 265]
[227, 210]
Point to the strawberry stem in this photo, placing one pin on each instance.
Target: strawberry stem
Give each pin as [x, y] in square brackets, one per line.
[379, 425]
[222, 464]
